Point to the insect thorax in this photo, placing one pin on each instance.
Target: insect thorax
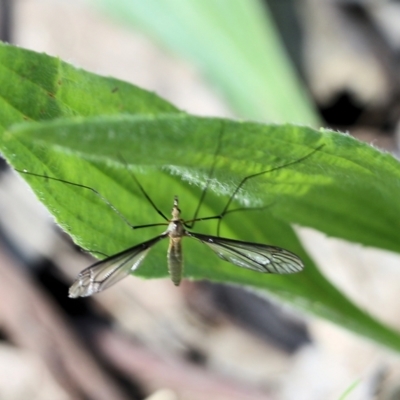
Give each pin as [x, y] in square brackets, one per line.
[176, 229]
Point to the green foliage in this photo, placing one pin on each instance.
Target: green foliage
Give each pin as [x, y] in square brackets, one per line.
[326, 196]
[346, 188]
[233, 43]
[37, 87]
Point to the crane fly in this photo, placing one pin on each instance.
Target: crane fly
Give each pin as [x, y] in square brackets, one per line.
[253, 256]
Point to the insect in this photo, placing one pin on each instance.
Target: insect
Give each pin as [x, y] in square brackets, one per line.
[253, 256]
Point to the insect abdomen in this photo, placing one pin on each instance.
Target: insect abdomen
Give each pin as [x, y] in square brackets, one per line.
[175, 263]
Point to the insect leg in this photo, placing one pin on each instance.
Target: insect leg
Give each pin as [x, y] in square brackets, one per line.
[143, 191]
[192, 221]
[98, 194]
[245, 179]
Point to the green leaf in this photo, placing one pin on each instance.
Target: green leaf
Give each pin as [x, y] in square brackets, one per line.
[234, 43]
[341, 197]
[38, 87]
[172, 154]
[350, 389]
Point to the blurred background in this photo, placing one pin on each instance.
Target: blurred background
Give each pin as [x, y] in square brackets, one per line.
[325, 63]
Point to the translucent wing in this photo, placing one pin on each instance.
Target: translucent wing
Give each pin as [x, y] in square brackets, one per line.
[254, 256]
[109, 271]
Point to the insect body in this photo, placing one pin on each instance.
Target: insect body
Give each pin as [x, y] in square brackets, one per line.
[253, 256]
[175, 231]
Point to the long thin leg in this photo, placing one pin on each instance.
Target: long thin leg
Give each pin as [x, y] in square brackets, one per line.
[142, 190]
[100, 196]
[203, 194]
[148, 197]
[219, 217]
[244, 180]
[150, 225]
[225, 211]
[83, 187]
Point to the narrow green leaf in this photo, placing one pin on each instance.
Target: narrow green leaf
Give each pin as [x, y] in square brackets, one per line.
[341, 196]
[234, 43]
[350, 389]
[173, 155]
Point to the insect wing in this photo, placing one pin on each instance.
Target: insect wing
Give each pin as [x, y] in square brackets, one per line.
[109, 271]
[254, 256]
